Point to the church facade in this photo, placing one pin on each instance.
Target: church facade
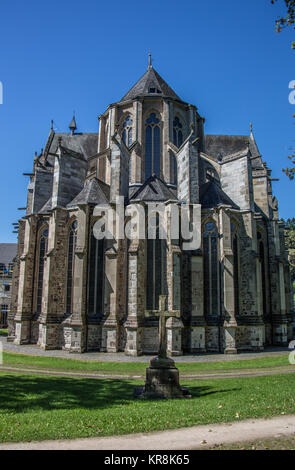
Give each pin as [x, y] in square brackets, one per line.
[75, 292]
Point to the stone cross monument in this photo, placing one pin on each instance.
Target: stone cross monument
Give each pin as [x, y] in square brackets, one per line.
[163, 315]
[162, 377]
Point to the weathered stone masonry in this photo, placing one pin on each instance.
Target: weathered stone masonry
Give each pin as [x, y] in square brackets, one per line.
[74, 292]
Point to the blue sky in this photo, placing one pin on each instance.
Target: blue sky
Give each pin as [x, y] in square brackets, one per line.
[60, 56]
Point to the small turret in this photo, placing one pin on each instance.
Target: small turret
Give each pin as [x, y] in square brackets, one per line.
[73, 125]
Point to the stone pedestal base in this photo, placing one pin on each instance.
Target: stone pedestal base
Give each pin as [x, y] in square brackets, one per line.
[48, 336]
[77, 340]
[230, 340]
[22, 332]
[109, 338]
[162, 381]
[280, 334]
[197, 339]
[174, 339]
[133, 345]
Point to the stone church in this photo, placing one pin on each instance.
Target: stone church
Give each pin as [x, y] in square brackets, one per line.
[72, 291]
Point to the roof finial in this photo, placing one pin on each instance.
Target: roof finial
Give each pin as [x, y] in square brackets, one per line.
[251, 127]
[51, 125]
[150, 59]
[73, 125]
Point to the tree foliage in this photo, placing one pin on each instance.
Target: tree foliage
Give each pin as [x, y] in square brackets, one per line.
[282, 23]
[288, 20]
[290, 244]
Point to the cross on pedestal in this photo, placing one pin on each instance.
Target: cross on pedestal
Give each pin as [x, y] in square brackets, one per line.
[163, 315]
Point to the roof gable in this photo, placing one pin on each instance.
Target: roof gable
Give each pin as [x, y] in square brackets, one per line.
[151, 80]
[94, 192]
[154, 190]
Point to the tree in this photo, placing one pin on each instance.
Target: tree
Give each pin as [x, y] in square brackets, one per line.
[288, 20]
[290, 244]
[282, 23]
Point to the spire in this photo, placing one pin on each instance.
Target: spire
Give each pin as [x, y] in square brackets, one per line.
[150, 60]
[73, 125]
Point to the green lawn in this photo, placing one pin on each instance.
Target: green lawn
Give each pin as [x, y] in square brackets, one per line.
[138, 368]
[36, 407]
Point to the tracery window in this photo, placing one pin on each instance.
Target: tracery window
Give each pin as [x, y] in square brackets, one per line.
[236, 261]
[156, 267]
[152, 146]
[263, 272]
[177, 132]
[173, 168]
[71, 264]
[127, 131]
[211, 269]
[43, 243]
[96, 277]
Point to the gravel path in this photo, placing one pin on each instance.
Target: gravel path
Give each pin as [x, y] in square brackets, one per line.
[196, 437]
[93, 375]
[121, 357]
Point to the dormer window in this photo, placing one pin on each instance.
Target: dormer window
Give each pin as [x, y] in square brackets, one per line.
[127, 131]
[154, 90]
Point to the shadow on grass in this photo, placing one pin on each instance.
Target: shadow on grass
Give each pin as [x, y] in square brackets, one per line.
[24, 393]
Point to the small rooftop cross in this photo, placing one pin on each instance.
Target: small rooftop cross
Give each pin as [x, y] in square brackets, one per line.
[163, 315]
[150, 59]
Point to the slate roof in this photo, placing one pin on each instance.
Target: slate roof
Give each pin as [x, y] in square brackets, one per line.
[94, 192]
[223, 145]
[151, 79]
[216, 145]
[7, 252]
[85, 144]
[154, 190]
[80, 143]
[211, 195]
[47, 207]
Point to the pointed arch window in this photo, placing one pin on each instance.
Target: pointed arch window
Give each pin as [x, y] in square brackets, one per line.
[152, 146]
[236, 261]
[173, 168]
[211, 269]
[156, 268]
[177, 132]
[96, 277]
[263, 273]
[72, 241]
[43, 243]
[127, 131]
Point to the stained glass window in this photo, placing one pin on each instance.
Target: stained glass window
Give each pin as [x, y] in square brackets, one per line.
[177, 132]
[41, 260]
[127, 131]
[152, 146]
[71, 263]
[211, 269]
[156, 267]
[236, 274]
[263, 273]
[96, 277]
